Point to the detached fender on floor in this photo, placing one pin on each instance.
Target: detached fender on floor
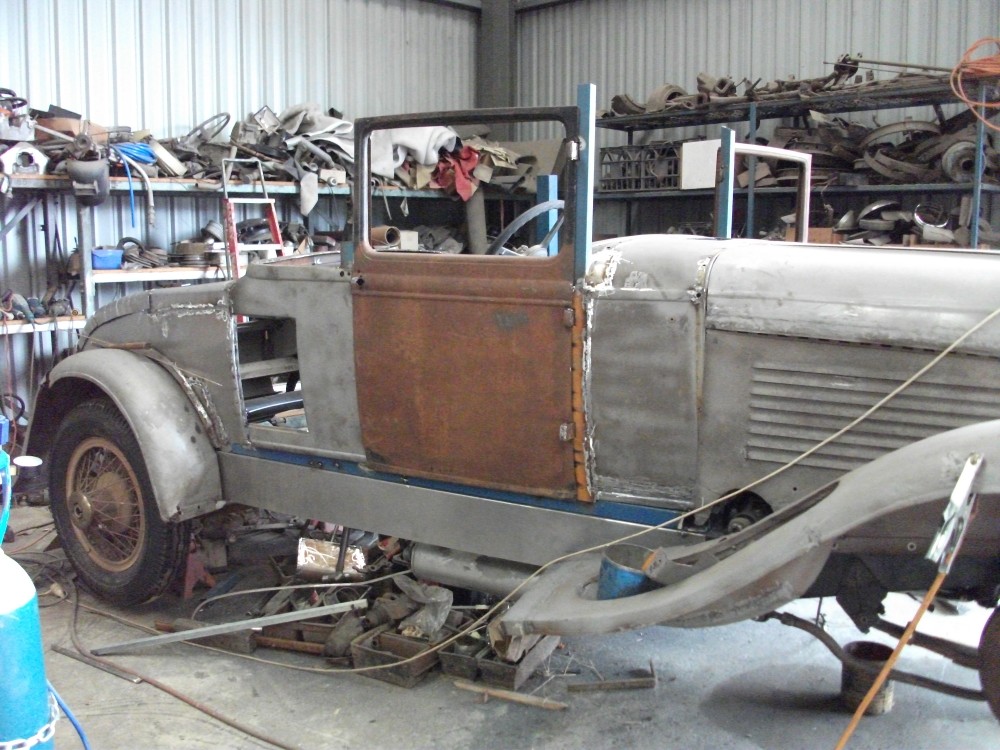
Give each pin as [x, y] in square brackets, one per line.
[770, 563]
[181, 461]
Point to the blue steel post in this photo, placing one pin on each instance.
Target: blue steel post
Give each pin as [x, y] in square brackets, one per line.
[752, 167]
[547, 189]
[724, 188]
[586, 100]
[977, 180]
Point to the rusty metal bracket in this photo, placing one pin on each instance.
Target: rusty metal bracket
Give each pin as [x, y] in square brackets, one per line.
[957, 513]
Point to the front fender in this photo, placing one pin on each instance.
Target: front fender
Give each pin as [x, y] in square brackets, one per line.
[769, 563]
[180, 459]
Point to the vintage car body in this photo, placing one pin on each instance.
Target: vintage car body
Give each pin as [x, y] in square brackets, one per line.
[504, 411]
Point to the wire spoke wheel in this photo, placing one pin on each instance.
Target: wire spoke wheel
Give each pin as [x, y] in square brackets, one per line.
[105, 510]
[105, 504]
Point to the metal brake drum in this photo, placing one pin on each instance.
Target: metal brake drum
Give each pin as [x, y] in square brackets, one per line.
[959, 161]
[899, 128]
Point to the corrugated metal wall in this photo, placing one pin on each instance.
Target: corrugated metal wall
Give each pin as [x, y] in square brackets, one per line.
[167, 65]
[635, 46]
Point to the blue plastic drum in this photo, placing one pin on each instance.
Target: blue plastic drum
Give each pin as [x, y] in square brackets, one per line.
[621, 572]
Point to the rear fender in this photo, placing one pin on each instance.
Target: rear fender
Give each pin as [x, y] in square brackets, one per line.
[171, 429]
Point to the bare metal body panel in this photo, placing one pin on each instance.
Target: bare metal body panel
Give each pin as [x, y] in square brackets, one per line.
[468, 522]
[317, 298]
[886, 296]
[714, 362]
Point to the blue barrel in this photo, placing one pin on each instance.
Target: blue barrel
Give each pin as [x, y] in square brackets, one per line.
[621, 572]
[24, 695]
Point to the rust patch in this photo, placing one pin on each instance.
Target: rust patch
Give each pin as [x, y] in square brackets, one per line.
[467, 377]
[579, 411]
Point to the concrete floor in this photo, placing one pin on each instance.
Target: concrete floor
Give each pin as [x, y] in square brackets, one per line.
[750, 685]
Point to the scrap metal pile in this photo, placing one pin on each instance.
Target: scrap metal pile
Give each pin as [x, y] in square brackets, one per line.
[724, 90]
[348, 597]
[303, 143]
[845, 152]
[855, 151]
[911, 151]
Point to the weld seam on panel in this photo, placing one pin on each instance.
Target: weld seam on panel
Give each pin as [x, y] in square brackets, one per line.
[578, 368]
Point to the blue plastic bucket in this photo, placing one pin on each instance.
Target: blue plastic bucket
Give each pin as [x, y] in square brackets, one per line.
[621, 572]
[106, 258]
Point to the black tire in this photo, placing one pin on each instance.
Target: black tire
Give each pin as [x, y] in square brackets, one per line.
[989, 662]
[104, 509]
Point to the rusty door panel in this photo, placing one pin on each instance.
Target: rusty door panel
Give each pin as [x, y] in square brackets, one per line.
[465, 370]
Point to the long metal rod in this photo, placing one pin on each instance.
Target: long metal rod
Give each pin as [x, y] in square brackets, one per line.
[965, 656]
[728, 149]
[804, 185]
[864, 62]
[977, 180]
[586, 100]
[109, 668]
[231, 627]
[22, 212]
[724, 187]
[883, 675]
[786, 618]
[752, 168]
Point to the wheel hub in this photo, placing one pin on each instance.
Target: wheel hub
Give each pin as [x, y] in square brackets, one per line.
[81, 511]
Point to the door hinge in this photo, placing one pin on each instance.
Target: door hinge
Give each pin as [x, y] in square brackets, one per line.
[569, 317]
[567, 431]
[574, 147]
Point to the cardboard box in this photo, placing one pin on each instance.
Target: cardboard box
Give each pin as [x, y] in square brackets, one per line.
[817, 235]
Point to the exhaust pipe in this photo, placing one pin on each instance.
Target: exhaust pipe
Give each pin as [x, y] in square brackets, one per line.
[468, 571]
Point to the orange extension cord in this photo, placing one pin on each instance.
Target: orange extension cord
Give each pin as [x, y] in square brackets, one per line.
[984, 67]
